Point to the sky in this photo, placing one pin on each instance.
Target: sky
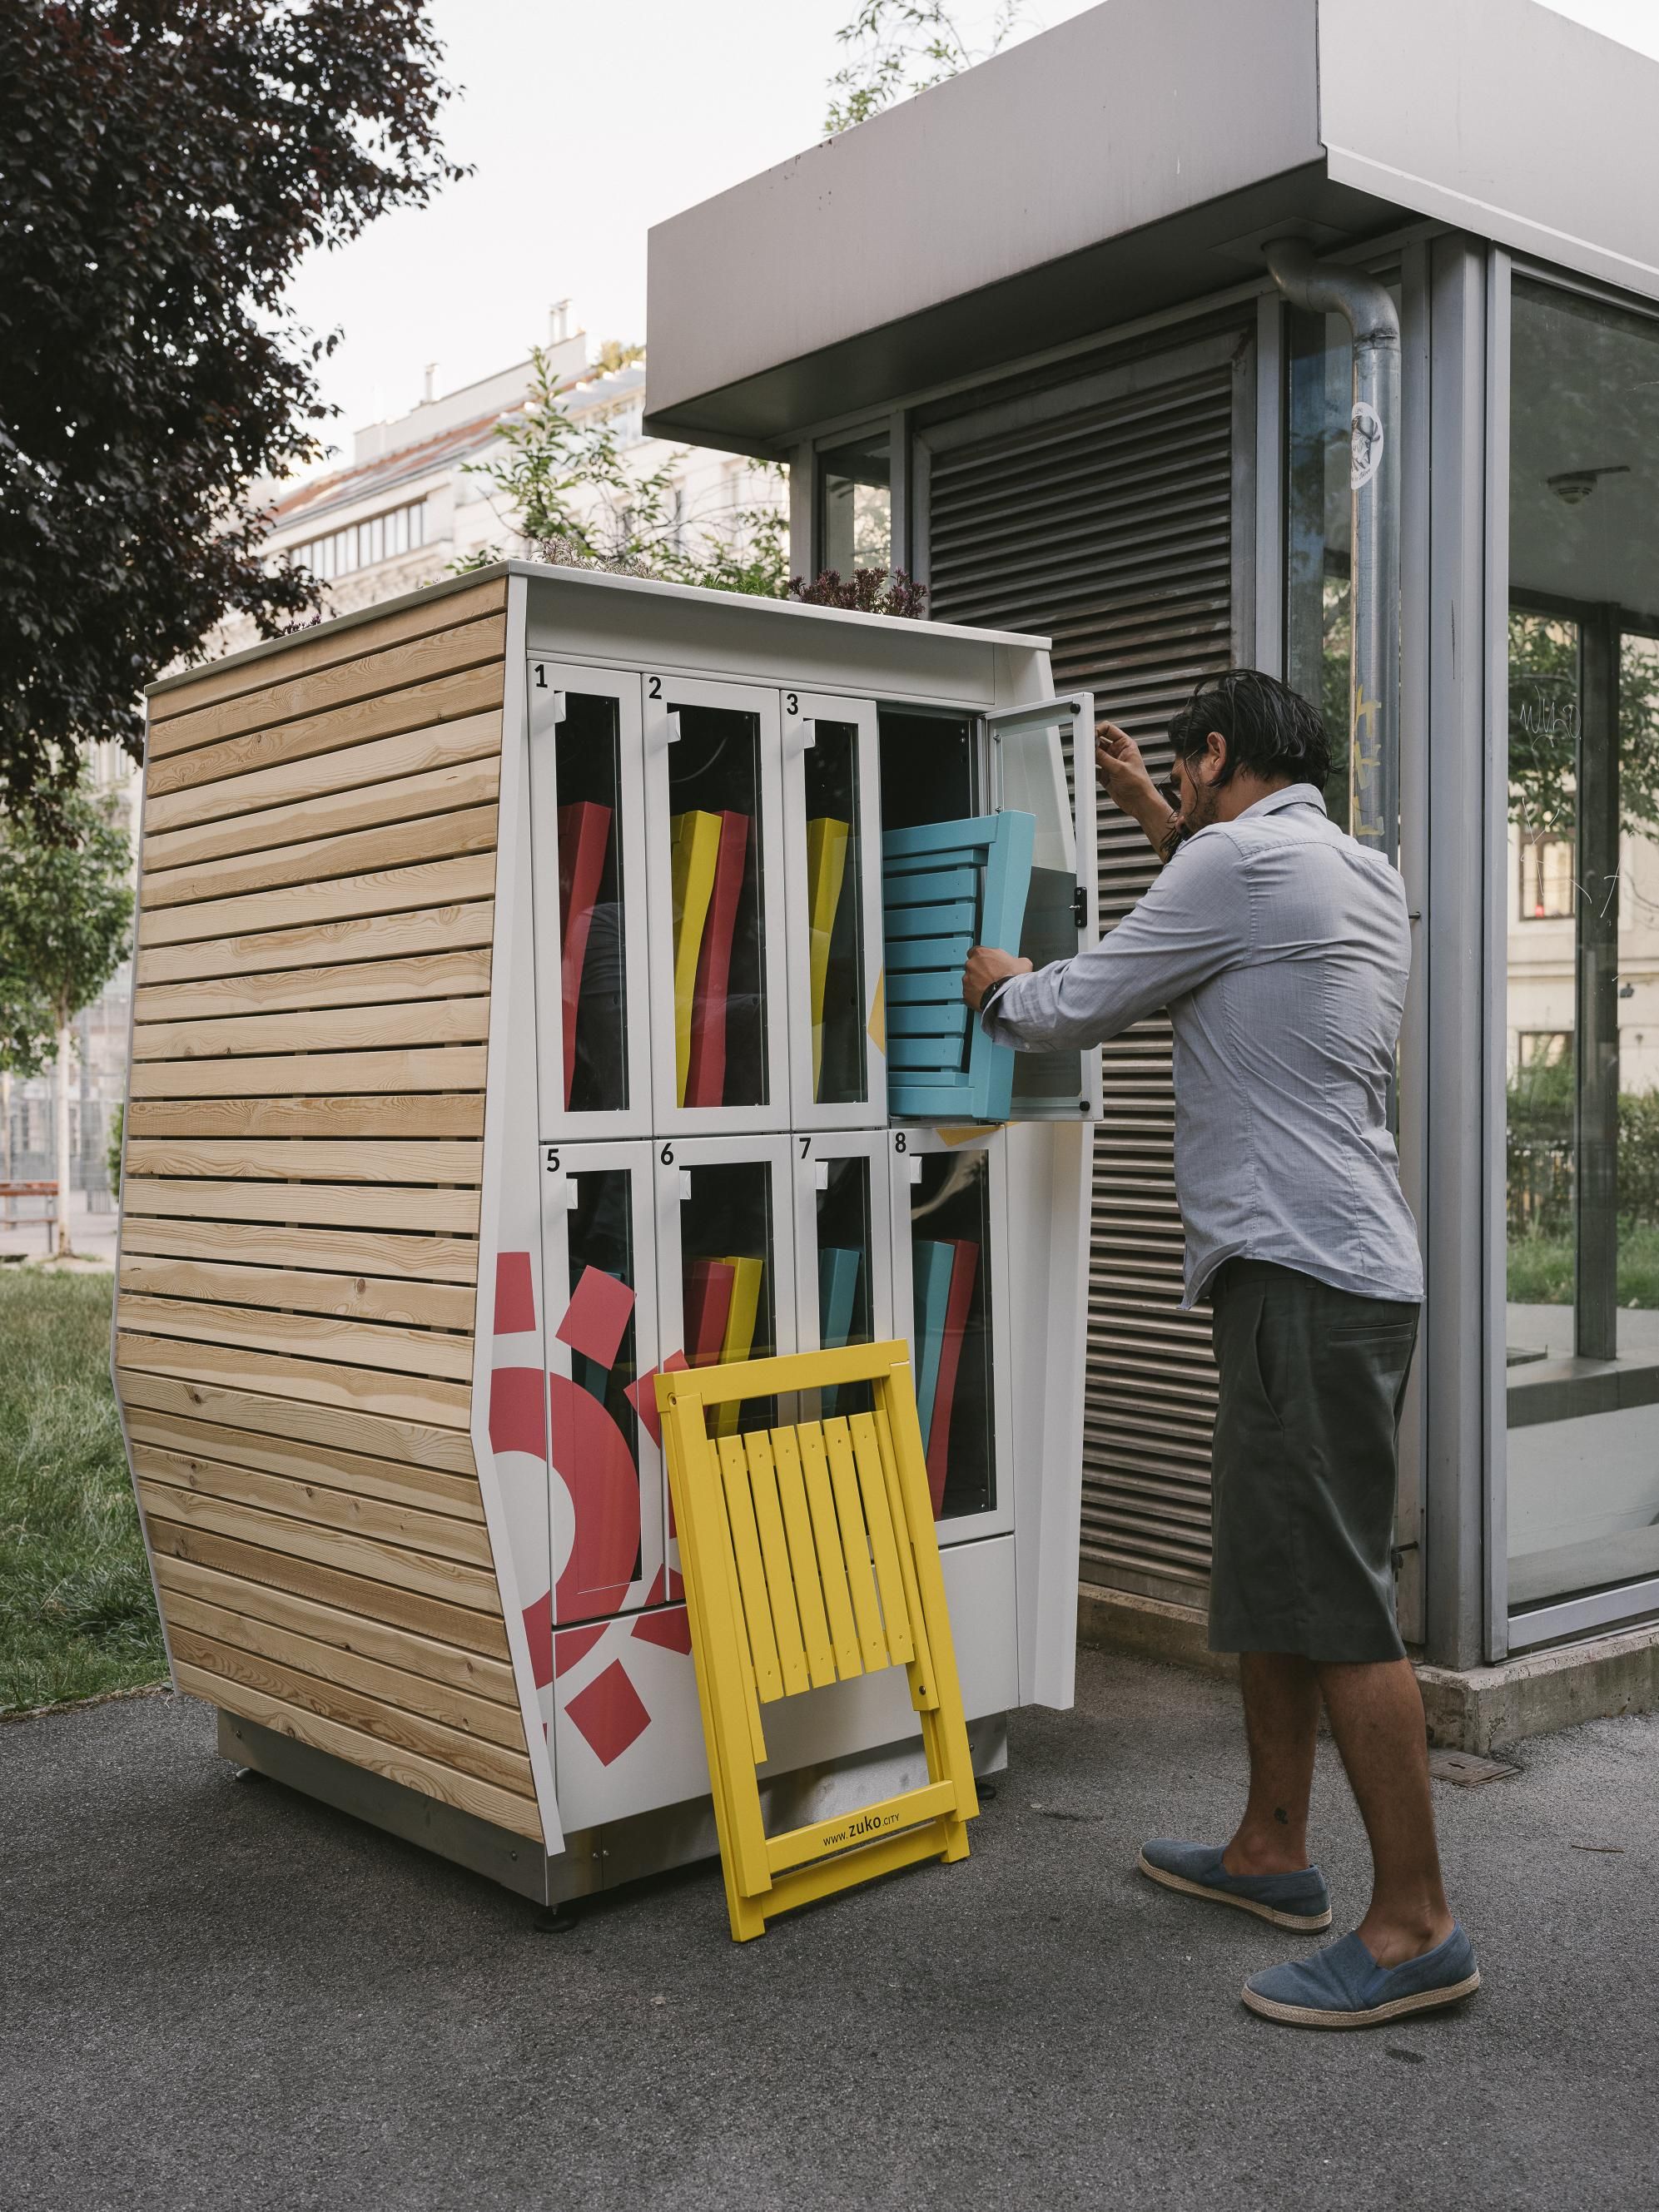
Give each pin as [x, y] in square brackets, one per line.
[585, 124]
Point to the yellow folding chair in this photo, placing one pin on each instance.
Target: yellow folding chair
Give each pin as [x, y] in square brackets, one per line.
[810, 1557]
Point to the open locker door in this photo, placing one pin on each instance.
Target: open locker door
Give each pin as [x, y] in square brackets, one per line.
[1041, 763]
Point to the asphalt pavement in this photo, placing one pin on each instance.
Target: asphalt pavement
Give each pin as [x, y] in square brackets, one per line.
[221, 1995]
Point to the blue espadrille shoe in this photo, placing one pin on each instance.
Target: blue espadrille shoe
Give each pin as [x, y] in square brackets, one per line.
[1289, 1900]
[1345, 1987]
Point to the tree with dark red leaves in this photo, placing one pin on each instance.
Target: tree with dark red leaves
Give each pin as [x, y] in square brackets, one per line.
[164, 164]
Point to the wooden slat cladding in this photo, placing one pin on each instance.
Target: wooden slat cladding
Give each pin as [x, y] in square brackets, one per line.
[1110, 529]
[298, 1282]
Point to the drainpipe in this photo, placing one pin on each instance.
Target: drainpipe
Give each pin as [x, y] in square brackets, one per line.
[1332, 288]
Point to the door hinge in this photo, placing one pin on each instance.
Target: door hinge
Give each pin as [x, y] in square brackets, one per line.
[1079, 906]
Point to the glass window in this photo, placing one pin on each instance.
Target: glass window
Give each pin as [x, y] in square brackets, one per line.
[856, 506]
[726, 1278]
[602, 1237]
[592, 973]
[950, 1254]
[719, 927]
[835, 926]
[1583, 996]
[844, 1274]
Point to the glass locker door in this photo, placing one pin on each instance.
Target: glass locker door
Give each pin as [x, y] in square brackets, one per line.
[844, 1248]
[832, 832]
[588, 869]
[1041, 761]
[715, 849]
[727, 1257]
[599, 1269]
[950, 1293]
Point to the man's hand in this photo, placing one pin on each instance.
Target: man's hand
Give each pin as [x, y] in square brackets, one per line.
[1126, 781]
[987, 967]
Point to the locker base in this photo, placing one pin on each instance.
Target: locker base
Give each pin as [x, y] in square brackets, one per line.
[593, 1859]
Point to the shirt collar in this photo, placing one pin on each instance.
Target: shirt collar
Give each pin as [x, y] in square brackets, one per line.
[1294, 794]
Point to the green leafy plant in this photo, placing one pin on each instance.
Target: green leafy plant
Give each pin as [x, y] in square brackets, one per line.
[576, 497]
[66, 924]
[164, 164]
[896, 48]
[113, 1150]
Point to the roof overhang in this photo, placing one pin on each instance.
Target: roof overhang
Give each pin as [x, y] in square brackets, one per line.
[1130, 159]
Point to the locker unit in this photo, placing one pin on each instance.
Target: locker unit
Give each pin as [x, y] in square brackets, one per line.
[590, 1077]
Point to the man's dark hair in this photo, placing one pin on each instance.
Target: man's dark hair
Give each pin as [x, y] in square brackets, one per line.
[1271, 730]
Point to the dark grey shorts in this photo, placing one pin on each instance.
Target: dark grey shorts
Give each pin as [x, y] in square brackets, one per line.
[1306, 1465]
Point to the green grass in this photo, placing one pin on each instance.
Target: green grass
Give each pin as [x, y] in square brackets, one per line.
[1541, 1268]
[77, 1612]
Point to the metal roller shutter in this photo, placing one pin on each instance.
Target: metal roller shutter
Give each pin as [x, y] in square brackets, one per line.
[1110, 530]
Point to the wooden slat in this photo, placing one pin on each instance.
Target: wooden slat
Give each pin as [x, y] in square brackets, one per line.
[363, 1206]
[454, 1068]
[425, 752]
[339, 1028]
[415, 1351]
[752, 1574]
[439, 653]
[415, 1258]
[481, 1681]
[361, 938]
[446, 1579]
[465, 1790]
[388, 1722]
[359, 1594]
[331, 641]
[435, 1535]
[322, 860]
[309, 990]
[428, 883]
[832, 1568]
[775, 1551]
[287, 1645]
[396, 1481]
[393, 713]
[431, 1114]
[413, 1443]
[803, 1558]
[879, 1519]
[312, 1336]
[442, 791]
[844, 1476]
[317, 1383]
[353, 1296]
[310, 1159]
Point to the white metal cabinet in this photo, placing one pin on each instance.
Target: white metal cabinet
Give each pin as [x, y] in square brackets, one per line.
[594, 1033]
[715, 905]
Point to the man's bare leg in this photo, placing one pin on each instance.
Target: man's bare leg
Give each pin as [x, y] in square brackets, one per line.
[1376, 1718]
[1281, 1717]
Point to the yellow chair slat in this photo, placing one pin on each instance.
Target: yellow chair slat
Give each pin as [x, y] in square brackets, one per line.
[810, 1553]
[923, 1696]
[855, 1543]
[751, 1570]
[803, 1558]
[774, 1556]
[879, 1519]
[832, 1568]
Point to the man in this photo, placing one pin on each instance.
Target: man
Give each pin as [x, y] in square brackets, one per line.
[1281, 948]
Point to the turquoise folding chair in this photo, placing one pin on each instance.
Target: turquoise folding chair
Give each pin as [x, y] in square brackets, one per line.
[946, 887]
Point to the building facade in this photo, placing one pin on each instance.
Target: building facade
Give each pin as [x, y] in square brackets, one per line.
[1019, 336]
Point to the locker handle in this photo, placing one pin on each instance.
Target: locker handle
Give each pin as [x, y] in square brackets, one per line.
[685, 1186]
[559, 709]
[820, 1174]
[568, 1192]
[915, 1166]
[673, 720]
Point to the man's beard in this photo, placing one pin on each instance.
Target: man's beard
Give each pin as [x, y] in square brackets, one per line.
[1198, 815]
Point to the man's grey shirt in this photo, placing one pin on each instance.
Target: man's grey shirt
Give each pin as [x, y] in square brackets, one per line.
[1281, 949]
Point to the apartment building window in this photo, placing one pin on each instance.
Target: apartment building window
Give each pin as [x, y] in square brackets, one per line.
[360, 544]
[1546, 878]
